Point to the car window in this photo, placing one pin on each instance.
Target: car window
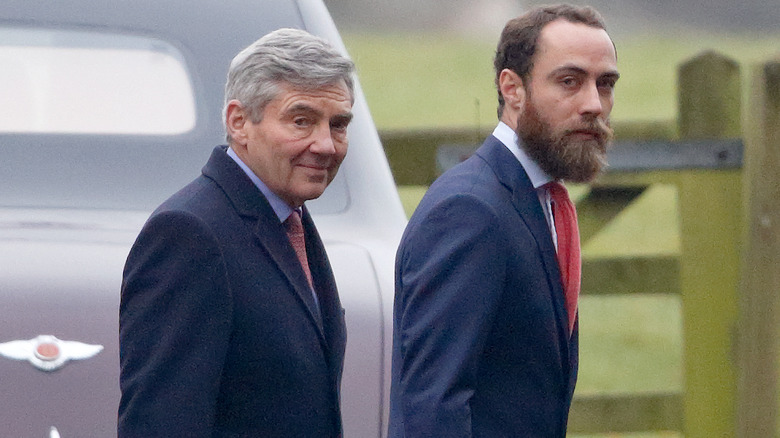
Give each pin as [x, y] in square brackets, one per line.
[104, 119]
[55, 81]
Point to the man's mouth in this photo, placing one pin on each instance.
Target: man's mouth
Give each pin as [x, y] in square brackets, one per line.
[587, 133]
[314, 166]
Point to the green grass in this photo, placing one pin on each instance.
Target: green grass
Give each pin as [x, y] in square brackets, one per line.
[648, 227]
[438, 80]
[662, 434]
[633, 343]
[426, 80]
[628, 343]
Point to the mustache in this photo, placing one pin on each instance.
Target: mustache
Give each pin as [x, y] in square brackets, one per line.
[597, 127]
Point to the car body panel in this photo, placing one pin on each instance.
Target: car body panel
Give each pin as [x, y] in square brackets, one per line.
[72, 205]
[59, 277]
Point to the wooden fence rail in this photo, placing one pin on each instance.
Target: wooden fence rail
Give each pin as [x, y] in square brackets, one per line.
[728, 272]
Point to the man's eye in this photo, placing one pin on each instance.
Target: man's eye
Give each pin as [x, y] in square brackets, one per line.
[607, 83]
[569, 81]
[301, 121]
[338, 126]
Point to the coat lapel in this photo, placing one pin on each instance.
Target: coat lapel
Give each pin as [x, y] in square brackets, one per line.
[260, 218]
[525, 200]
[331, 311]
[272, 236]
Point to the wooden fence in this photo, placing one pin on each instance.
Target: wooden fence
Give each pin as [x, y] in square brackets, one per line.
[725, 165]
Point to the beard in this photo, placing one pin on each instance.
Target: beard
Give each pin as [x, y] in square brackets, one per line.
[573, 153]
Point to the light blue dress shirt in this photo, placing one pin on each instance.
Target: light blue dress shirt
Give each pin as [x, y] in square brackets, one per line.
[281, 208]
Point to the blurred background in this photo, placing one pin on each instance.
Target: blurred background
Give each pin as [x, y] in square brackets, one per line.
[427, 63]
[426, 66]
[487, 15]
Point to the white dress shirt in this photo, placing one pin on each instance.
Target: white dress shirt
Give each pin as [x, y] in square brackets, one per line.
[538, 177]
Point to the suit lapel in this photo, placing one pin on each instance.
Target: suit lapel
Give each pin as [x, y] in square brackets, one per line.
[331, 312]
[260, 218]
[272, 236]
[526, 201]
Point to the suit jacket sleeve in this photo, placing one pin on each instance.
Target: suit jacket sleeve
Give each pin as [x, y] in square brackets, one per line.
[450, 273]
[174, 329]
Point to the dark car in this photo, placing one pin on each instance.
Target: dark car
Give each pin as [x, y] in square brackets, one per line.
[108, 108]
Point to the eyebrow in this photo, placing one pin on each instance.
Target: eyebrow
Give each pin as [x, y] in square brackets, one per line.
[302, 108]
[344, 117]
[612, 74]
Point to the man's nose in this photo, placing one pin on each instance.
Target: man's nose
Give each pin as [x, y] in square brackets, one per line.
[591, 100]
[322, 140]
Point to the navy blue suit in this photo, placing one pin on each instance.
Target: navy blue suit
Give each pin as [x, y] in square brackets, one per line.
[480, 340]
[219, 333]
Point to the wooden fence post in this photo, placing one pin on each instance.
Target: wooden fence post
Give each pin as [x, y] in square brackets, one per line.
[711, 218]
[757, 408]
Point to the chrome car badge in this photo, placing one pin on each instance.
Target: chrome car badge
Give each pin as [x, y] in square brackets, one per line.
[47, 353]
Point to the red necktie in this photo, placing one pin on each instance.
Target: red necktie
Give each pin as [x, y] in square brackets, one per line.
[569, 261]
[294, 228]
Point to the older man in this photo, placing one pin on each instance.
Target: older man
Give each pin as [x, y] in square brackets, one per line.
[230, 322]
[488, 271]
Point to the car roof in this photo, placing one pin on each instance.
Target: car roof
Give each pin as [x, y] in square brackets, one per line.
[174, 21]
[207, 34]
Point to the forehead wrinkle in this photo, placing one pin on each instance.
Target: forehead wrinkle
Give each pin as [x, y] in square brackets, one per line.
[303, 107]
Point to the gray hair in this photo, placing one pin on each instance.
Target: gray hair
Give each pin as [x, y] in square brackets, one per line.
[285, 56]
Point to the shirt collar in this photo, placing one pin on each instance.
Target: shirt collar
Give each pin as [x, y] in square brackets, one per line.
[509, 138]
[280, 207]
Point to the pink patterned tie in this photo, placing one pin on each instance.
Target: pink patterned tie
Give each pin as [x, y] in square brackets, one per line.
[294, 228]
[569, 259]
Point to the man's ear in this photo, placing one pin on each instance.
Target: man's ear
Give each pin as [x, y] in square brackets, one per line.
[236, 120]
[512, 89]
